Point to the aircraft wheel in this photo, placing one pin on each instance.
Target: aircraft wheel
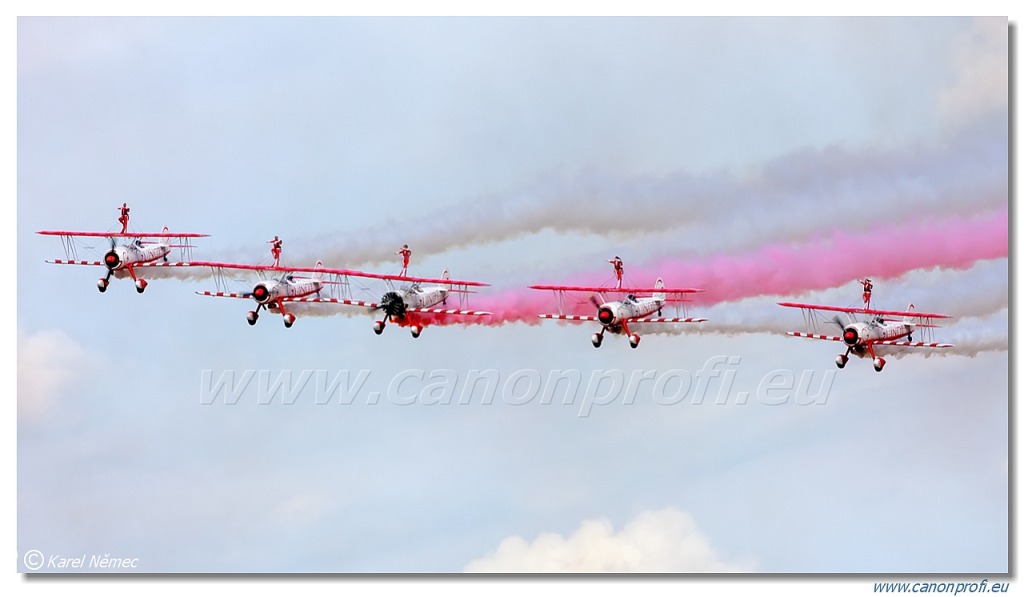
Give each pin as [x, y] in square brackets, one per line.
[634, 340]
[252, 317]
[289, 320]
[879, 363]
[378, 327]
[596, 340]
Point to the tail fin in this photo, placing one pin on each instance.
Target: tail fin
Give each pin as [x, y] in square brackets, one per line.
[908, 318]
[659, 283]
[319, 275]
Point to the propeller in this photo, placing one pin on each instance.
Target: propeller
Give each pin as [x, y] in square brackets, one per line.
[838, 322]
[111, 259]
[604, 314]
[392, 304]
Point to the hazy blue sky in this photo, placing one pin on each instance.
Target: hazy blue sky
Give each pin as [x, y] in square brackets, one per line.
[513, 151]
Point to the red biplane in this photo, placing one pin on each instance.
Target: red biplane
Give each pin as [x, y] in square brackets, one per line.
[413, 303]
[616, 316]
[144, 250]
[863, 338]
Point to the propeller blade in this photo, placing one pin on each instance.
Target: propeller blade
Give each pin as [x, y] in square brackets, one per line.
[593, 301]
[835, 320]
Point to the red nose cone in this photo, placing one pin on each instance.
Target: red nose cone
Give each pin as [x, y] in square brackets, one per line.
[850, 336]
[111, 259]
[260, 293]
[605, 315]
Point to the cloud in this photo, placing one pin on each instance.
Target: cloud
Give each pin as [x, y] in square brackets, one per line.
[49, 363]
[656, 541]
[980, 59]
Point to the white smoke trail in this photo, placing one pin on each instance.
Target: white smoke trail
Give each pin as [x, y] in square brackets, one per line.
[791, 198]
[976, 326]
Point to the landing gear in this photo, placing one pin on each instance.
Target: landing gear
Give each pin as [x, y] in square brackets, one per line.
[289, 320]
[634, 340]
[102, 284]
[596, 340]
[140, 285]
[879, 363]
[252, 317]
[416, 331]
[841, 360]
[378, 327]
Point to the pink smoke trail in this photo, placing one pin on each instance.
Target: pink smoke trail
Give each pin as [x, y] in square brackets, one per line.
[780, 270]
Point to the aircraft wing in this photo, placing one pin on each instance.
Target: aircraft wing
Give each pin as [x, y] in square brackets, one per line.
[241, 295]
[73, 262]
[392, 277]
[619, 290]
[567, 317]
[122, 234]
[667, 320]
[134, 265]
[447, 311]
[914, 344]
[336, 271]
[814, 336]
[865, 311]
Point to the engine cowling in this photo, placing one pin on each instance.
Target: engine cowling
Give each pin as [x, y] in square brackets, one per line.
[112, 259]
[261, 293]
[605, 315]
[850, 336]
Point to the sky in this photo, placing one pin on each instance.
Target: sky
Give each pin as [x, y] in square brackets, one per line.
[760, 159]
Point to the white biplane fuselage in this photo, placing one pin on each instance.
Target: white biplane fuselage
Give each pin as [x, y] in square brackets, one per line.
[272, 294]
[126, 257]
[135, 253]
[613, 314]
[397, 303]
[877, 330]
[268, 292]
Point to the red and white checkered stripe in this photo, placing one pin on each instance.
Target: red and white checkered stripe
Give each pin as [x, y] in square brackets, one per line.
[813, 336]
[567, 317]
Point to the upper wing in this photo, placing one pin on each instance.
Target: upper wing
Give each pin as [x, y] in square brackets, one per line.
[123, 234]
[613, 289]
[866, 311]
[336, 271]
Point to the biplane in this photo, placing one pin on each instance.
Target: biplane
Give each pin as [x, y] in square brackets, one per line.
[271, 293]
[141, 250]
[412, 303]
[864, 339]
[616, 316]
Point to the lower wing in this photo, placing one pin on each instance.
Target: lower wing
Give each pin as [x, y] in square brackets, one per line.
[881, 343]
[567, 317]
